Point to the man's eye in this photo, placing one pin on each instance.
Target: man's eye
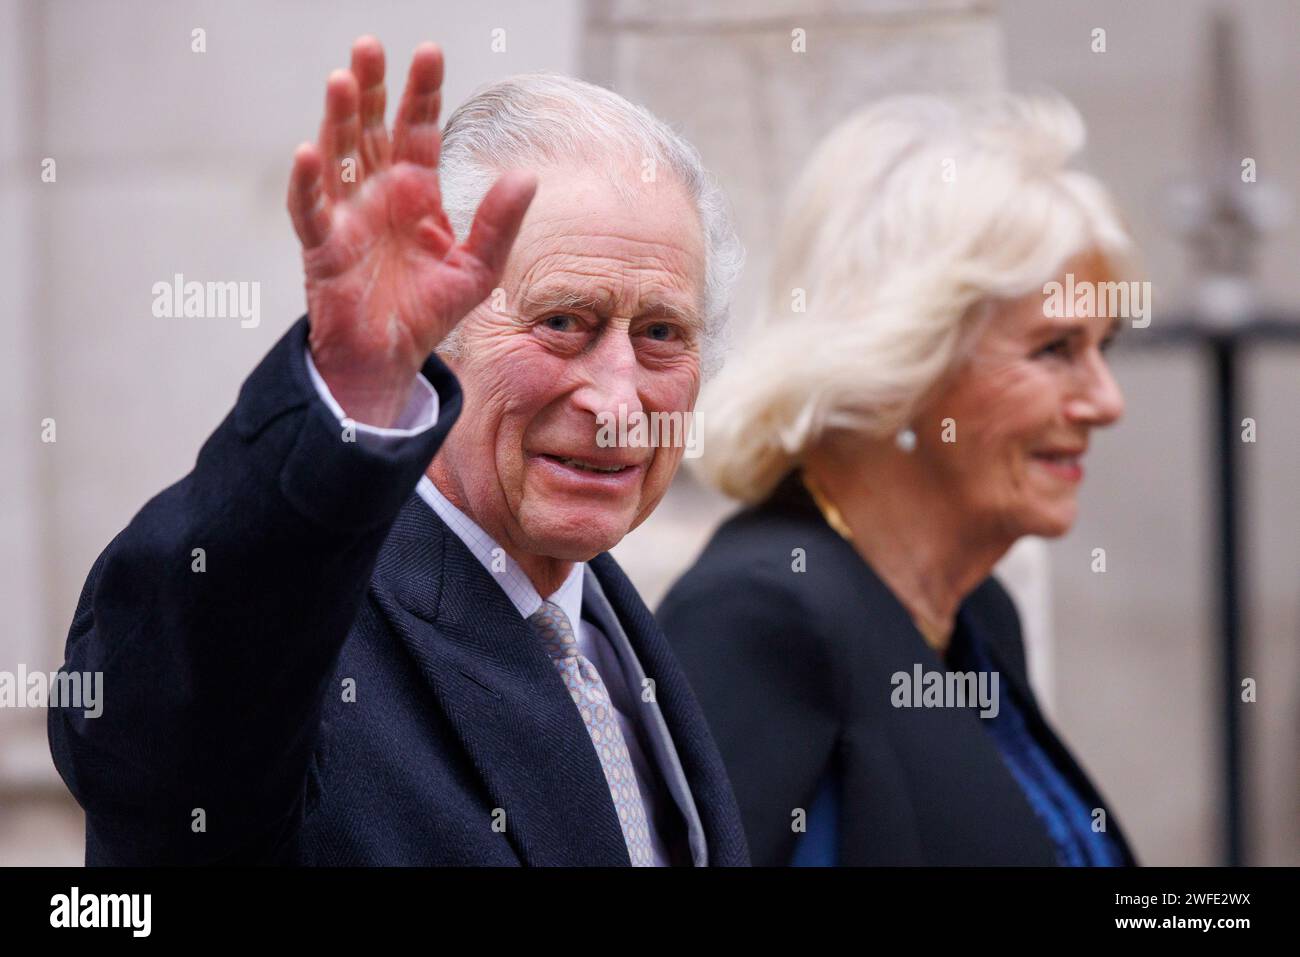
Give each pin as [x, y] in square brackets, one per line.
[661, 331]
[562, 322]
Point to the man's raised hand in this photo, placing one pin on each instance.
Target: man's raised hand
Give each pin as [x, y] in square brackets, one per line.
[386, 279]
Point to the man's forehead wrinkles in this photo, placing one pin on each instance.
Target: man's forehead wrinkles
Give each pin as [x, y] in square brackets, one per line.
[586, 262]
[568, 277]
[601, 274]
[585, 243]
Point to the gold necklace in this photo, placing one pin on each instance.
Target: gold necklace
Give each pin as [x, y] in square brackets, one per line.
[934, 634]
[824, 505]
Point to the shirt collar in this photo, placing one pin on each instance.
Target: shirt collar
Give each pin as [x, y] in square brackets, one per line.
[505, 571]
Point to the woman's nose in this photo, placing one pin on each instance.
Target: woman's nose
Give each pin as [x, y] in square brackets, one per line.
[1099, 400]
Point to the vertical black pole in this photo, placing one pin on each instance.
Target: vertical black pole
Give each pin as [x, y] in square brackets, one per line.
[1229, 610]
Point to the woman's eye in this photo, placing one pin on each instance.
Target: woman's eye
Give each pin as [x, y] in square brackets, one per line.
[1059, 348]
[1106, 344]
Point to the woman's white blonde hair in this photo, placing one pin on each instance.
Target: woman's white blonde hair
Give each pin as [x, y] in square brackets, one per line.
[909, 218]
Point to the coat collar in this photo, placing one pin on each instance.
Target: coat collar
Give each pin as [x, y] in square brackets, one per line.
[715, 802]
[500, 692]
[792, 495]
[894, 630]
[511, 712]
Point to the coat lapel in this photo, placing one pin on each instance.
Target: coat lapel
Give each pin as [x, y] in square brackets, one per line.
[961, 756]
[492, 679]
[1060, 754]
[701, 762]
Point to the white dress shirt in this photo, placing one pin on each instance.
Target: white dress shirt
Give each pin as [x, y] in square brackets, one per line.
[420, 414]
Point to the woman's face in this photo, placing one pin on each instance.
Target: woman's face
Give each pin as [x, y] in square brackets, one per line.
[1023, 408]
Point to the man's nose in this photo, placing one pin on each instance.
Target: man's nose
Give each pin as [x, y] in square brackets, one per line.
[1098, 400]
[610, 376]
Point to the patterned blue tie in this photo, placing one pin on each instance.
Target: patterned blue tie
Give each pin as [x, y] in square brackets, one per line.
[589, 694]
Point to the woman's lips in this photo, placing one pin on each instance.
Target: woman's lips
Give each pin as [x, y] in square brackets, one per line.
[1067, 466]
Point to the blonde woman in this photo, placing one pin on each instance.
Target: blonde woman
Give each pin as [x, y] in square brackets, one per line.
[863, 673]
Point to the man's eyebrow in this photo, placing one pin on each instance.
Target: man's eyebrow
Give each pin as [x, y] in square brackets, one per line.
[557, 299]
[546, 300]
[671, 310]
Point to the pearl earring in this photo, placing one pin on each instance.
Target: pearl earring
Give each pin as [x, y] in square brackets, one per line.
[905, 440]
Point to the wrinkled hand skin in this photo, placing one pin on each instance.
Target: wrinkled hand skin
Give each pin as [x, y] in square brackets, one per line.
[386, 280]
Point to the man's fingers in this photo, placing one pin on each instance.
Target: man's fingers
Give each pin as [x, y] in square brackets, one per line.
[497, 221]
[340, 134]
[368, 68]
[415, 130]
[309, 206]
[434, 234]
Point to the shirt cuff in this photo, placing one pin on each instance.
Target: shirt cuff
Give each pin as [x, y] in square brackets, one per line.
[419, 415]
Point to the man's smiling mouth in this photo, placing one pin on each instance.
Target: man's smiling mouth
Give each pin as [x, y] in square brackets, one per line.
[588, 466]
[593, 471]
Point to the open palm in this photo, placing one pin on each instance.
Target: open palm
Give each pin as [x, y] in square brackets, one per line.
[386, 280]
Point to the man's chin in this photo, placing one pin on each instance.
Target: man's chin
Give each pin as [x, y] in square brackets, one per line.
[576, 538]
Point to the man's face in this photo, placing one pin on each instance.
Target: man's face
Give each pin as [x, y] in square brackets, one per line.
[599, 307]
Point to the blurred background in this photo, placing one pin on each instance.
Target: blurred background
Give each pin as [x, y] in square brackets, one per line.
[169, 160]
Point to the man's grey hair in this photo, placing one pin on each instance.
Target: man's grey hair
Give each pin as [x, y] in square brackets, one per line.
[547, 119]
